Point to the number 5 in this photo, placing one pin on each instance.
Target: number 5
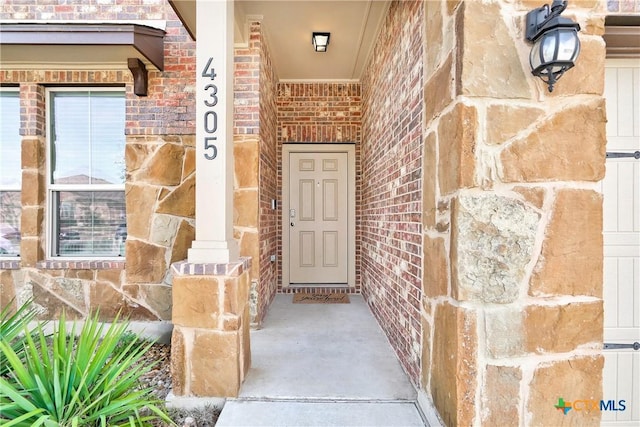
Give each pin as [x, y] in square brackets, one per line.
[207, 145]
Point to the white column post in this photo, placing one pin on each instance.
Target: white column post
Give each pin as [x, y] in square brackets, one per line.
[214, 134]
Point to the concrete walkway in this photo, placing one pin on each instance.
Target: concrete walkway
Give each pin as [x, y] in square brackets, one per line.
[322, 365]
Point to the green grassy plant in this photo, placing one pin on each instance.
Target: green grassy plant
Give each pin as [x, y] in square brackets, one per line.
[12, 326]
[85, 379]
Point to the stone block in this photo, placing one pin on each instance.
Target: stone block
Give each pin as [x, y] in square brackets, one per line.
[70, 290]
[163, 229]
[145, 262]
[578, 378]
[196, 301]
[51, 306]
[245, 349]
[492, 243]
[32, 153]
[495, 69]
[215, 364]
[181, 201]
[246, 155]
[425, 369]
[500, 396]
[533, 195]
[32, 221]
[185, 235]
[7, 290]
[434, 32]
[562, 328]
[111, 302]
[504, 332]
[112, 276]
[157, 297]
[569, 146]
[135, 155]
[250, 247]
[429, 182]
[506, 121]
[141, 202]
[179, 358]
[454, 364]
[33, 188]
[245, 208]
[438, 91]
[189, 165]
[31, 251]
[164, 167]
[457, 134]
[435, 279]
[573, 240]
[587, 76]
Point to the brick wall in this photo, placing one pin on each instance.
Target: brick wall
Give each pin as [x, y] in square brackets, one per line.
[320, 113]
[391, 178]
[255, 166]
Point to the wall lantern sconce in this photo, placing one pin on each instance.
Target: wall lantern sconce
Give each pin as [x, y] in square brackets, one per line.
[320, 41]
[555, 42]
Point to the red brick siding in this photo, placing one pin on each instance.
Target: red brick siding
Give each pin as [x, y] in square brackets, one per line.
[321, 113]
[269, 218]
[392, 180]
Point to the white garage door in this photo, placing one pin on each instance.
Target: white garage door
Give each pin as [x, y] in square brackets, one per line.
[621, 189]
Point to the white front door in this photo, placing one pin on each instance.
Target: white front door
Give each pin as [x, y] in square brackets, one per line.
[316, 217]
[621, 229]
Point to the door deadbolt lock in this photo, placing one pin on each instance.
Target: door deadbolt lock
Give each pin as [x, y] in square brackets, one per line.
[292, 224]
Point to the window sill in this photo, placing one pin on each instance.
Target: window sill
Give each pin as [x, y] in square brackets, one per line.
[9, 264]
[81, 265]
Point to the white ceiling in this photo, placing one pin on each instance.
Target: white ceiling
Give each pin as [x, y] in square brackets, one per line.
[288, 24]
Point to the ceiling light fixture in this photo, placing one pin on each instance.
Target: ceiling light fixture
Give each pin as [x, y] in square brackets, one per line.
[555, 42]
[320, 41]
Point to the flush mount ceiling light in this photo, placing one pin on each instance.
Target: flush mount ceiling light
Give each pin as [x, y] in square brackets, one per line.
[320, 41]
[555, 42]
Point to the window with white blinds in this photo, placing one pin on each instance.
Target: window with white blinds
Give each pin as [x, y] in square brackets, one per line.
[87, 172]
[10, 172]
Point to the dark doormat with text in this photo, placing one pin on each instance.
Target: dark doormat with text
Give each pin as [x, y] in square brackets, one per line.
[304, 298]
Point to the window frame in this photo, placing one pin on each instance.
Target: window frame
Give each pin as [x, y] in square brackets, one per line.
[51, 188]
[18, 187]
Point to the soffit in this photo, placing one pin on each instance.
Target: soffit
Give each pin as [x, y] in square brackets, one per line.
[37, 45]
[288, 24]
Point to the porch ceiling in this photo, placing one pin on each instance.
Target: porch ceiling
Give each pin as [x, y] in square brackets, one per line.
[288, 25]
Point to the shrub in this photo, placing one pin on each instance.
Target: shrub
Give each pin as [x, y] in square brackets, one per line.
[12, 326]
[83, 379]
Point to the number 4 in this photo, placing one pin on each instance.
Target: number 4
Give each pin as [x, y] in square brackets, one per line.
[209, 71]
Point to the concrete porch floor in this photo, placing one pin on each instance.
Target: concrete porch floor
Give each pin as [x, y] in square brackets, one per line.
[322, 365]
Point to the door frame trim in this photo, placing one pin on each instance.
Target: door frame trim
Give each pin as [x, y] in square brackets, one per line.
[350, 149]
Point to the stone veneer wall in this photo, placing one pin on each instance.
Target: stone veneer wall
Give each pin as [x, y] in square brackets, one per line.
[512, 309]
[392, 181]
[320, 113]
[160, 175]
[255, 223]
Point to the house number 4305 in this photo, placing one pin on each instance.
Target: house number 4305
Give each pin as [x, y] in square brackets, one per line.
[210, 115]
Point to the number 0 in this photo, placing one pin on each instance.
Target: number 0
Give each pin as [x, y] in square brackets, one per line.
[210, 122]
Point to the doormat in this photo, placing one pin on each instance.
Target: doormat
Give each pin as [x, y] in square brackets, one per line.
[309, 298]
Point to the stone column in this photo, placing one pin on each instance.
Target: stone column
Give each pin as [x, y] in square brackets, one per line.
[512, 309]
[214, 134]
[210, 350]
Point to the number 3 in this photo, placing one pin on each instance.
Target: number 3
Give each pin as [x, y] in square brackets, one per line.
[213, 95]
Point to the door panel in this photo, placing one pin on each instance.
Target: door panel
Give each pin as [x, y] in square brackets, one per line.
[318, 218]
[621, 232]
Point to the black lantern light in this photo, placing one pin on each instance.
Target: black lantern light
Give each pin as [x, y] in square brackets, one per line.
[320, 41]
[555, 42]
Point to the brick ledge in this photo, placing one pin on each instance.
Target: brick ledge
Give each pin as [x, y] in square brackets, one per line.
[80, 265]
[234, 268]
[10, 264]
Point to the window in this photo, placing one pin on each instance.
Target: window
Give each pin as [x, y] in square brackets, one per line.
[10, 172]
[86, 172]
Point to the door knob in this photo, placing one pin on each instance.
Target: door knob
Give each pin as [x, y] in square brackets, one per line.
[292, 224]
